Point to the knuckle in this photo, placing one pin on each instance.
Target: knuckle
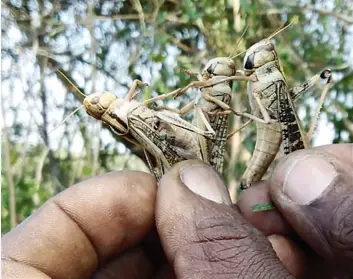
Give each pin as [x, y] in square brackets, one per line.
[225, 245]
[341, 232]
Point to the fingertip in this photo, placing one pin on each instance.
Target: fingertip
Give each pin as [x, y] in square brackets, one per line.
[199, 178]
[182, 195]
[303, 176]
[180, 188]
[269, 221]
[201, 232]
[313, 190]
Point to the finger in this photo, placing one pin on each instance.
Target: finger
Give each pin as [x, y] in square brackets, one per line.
[83, 226]
[272, 222]
[147, 256]
[202, 234]
[314, 191]
[344, 151]
[269, 222]
[124, 266]
[290, 254]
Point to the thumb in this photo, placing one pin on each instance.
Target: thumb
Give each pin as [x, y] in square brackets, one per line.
[313, 189]
[203, 235]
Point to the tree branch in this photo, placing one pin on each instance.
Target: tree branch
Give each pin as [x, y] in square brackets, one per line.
[8, 168]
[308, 7]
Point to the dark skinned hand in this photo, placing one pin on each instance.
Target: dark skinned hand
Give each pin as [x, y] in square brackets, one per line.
[107, 226]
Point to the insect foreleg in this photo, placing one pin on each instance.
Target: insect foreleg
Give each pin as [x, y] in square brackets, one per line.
[161, 97]
[193, 84]
[132, 92]
[267, 119]
[191, 73]
[237, 77]
[240, 128]
[181, 111]
[179, 122]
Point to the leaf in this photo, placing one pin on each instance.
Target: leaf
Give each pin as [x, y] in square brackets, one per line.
[262, 207]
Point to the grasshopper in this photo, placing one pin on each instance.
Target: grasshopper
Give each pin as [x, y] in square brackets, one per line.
[165, 138]
[212, 111]
[273, 109]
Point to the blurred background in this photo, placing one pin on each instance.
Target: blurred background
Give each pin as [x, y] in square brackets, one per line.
[104, 45]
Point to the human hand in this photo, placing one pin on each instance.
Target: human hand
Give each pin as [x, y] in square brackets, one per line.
[312, 224]
[101, 227]
[93, 229]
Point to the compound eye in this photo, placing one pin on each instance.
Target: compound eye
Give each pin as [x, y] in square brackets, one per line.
[95, 100]
[249, 63]
[210, 70]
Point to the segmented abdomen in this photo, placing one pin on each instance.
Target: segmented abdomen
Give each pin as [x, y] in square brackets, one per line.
[216, 147]
[268, 142]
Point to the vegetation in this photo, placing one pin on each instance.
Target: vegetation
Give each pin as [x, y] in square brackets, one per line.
[104, 45]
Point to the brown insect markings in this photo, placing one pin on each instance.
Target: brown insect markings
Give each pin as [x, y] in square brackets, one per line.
[291, 135]
[155, 132]
[213, 109]
[152, 135]
[165, 138]
[216, 98]
[273, 109]
[216, 148]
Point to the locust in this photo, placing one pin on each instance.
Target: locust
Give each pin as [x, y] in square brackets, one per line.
[165, 138]
[272, 105]
[212, 111]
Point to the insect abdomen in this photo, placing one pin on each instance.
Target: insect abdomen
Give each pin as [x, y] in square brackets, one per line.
[268, 141]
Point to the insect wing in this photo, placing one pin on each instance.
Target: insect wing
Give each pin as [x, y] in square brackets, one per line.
[291, 131]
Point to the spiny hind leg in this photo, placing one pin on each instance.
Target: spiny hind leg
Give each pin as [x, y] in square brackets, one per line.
[297, 91]
[318, 107]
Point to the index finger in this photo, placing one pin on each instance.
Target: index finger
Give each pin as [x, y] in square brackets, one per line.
[84, 225]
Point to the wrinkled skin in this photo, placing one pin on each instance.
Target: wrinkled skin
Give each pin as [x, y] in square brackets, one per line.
[105, 227]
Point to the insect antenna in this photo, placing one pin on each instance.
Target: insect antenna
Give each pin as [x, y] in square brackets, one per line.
[239, 54]
[66, 118]
[295, 20]
[72, 84]
[240, 39]
[77, 109]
